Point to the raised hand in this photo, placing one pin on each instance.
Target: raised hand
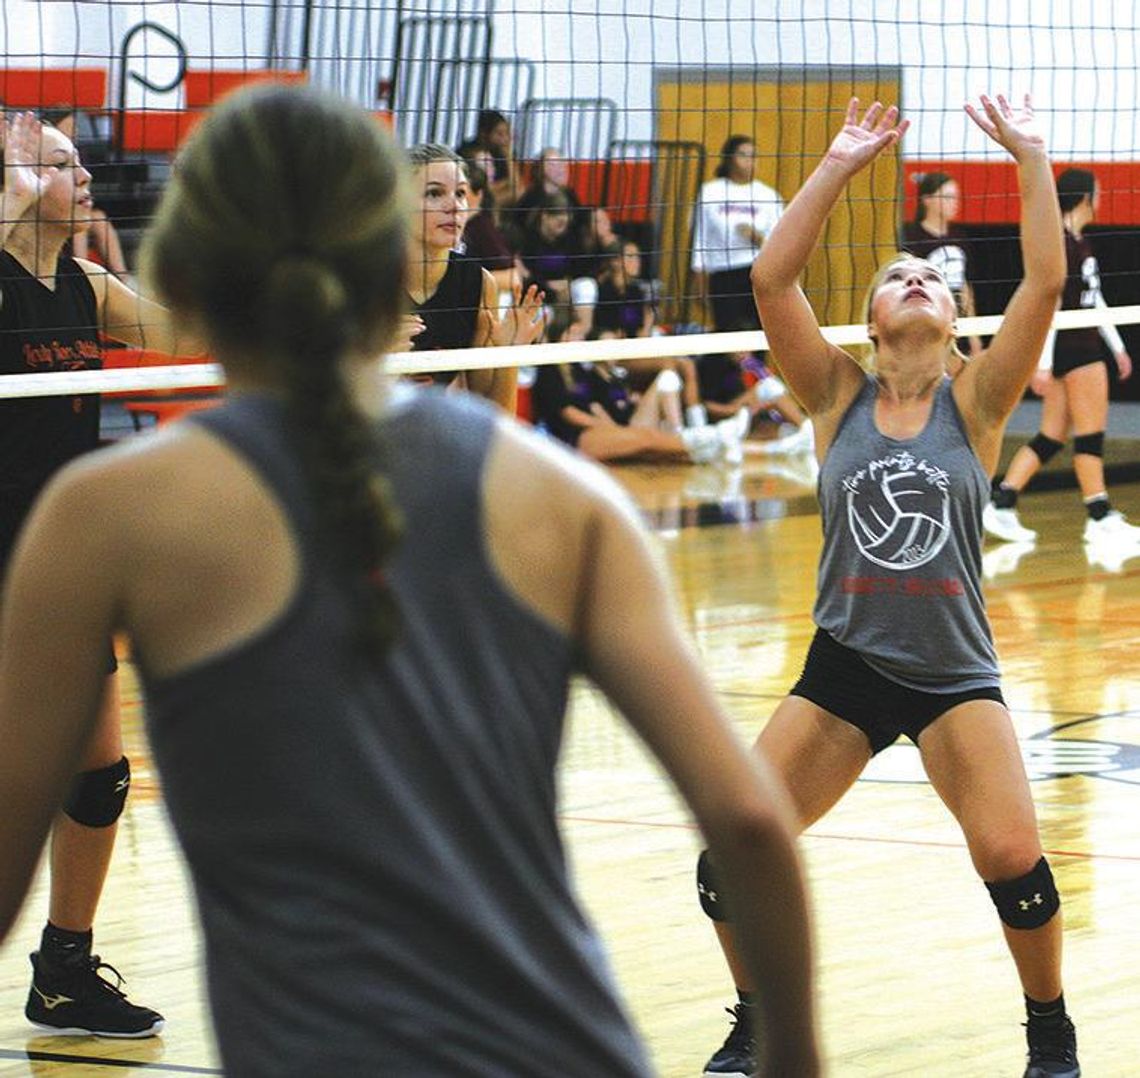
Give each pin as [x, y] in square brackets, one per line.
[524, 322]
[410, 327]
[1015, 129]
[861, 141]
[25, 180]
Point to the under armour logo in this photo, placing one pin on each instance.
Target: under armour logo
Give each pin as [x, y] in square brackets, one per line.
[1036, 900]
[122, 784]
[708, 892]
[51, 1002]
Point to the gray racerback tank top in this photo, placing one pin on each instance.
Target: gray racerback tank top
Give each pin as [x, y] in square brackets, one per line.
[900, 574]
[373, 841]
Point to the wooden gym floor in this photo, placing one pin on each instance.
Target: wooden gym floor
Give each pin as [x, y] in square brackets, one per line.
[913, 976]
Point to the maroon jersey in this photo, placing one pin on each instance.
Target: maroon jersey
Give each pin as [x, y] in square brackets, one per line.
[1077, 347]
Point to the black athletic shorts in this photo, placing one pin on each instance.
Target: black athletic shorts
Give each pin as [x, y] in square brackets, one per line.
[838, 680]
[1063, 365]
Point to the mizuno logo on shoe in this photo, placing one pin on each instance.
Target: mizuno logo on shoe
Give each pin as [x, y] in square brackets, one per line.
[51, 1002]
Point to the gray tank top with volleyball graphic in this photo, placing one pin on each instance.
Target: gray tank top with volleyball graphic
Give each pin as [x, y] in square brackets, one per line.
[900, 574]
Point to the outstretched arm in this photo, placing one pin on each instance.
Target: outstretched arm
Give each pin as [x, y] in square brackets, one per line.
[814, 369]
[126, 316]
[635, 649]
[992, 386]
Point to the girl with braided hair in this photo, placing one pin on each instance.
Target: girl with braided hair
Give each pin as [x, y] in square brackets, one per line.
[356, 609]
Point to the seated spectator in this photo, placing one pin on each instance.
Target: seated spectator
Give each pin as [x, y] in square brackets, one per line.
[598, 239]
[493, 134]
[551, 256]
[100, 243]
[592, 407]
[549, 178]
[739, 380]
[483, 239]
[625, 304]
[625, 309]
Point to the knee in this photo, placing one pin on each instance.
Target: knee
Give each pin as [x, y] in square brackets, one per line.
[1027, 901]
[708, 890]
[97, 797]
[1005, 856]
[1090, 445]
[1044, 447]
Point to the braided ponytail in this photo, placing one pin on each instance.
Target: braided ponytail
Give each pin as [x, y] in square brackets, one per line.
[293, 262]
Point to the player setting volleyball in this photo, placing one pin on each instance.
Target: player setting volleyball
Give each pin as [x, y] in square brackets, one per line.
[902, 643]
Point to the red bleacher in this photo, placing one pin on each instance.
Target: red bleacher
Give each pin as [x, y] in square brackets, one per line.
[49, 87]
[203, 88]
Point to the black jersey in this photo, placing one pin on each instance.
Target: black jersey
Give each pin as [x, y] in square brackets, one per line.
[44, 329]
[1077, 347]
[451, 313]
[949, 254]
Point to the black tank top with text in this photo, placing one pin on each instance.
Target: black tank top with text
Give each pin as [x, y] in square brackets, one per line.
[45, 329]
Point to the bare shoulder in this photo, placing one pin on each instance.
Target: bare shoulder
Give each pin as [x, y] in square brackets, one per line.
[138, 474]
[96, 273]
[544, 473]
[547, 513]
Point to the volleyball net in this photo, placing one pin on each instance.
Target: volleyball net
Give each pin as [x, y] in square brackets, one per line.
[625, 107]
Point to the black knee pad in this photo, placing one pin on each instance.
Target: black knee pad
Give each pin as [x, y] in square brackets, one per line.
[1030, 900]
[97, 797]
[1092, 445]
[708, 890]
[1045, 447]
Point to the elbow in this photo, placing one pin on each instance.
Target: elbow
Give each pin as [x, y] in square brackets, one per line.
[1054, 283]
[763, 281]
[753, 829]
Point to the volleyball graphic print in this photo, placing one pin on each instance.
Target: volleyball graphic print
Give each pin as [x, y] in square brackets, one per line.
[898, 510]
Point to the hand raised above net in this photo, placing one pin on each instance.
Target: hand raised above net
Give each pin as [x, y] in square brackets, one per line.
[25, 177]
[1015, 129]
[861, 141]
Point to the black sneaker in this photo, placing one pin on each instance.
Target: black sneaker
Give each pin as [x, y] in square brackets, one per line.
[736, 1058]
[1052, 1049]
[76, 1000]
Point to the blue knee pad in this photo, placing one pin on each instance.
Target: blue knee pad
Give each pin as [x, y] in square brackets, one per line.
[1092, 445]
[708, 890]
[1029, 901]
[97, 797]
[1045, 447]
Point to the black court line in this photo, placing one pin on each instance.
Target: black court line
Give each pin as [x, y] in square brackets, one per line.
[99, 1061]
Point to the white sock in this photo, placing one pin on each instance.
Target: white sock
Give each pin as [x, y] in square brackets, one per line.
[696, 416]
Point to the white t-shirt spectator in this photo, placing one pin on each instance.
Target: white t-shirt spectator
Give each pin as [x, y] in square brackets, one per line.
[722, 207]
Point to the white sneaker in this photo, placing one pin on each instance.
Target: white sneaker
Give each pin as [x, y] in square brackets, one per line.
[1004, 558]
[1111, 556]
[801, 440]
[1003, 524]
[731, 433]
[702, 443]
[1112, 529]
